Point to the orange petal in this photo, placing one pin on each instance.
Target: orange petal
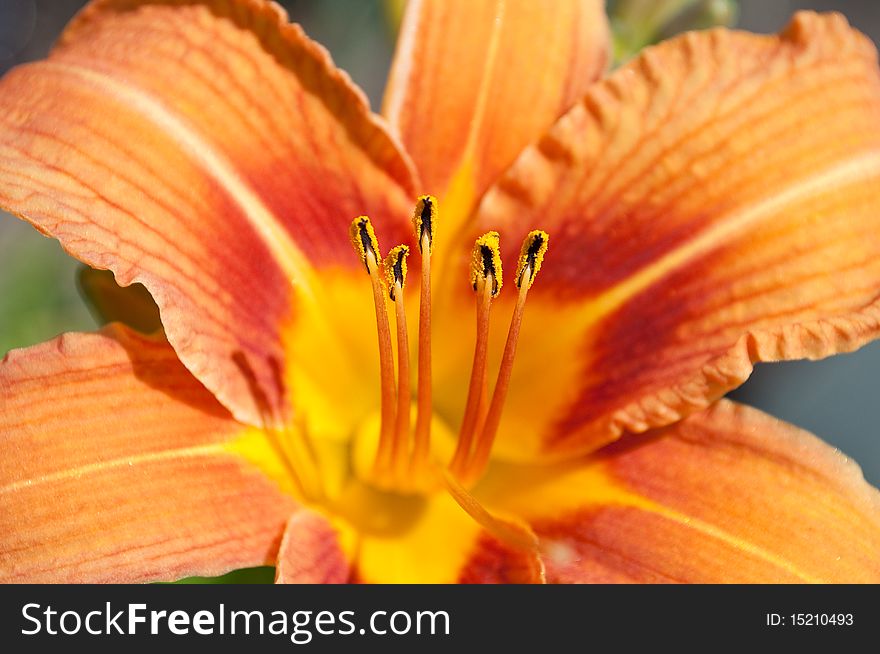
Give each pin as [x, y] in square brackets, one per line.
[210, 151]
[310, 552]
[473, 83]
[727, 495]
[114, 467]
[496, 562]
[712, 204]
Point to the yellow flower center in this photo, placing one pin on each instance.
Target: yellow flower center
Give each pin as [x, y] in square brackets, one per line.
[389, 453]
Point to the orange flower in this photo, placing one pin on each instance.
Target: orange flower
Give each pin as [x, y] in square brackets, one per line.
[708, 205]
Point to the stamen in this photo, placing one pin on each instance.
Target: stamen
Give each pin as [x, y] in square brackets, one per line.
[364, 241]
[400, 465]
[395, 271]
[534, 248]
[486, 278]
[424, 222]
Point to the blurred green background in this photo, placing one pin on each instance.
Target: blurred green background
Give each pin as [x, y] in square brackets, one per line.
[38, 296]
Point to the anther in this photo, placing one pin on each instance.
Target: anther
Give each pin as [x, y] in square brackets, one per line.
[424, 221]
[531, 256]
[364, 241]
[395, 268]
[486, 261]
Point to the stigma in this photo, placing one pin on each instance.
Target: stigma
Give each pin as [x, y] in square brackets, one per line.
[402, 461]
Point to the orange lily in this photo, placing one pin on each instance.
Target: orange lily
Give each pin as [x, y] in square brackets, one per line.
[709, 205]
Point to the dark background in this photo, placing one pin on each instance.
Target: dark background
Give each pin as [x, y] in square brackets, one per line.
[833, 398]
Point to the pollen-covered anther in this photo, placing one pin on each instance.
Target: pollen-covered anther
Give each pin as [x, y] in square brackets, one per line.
[364, 241]
[395, 268]
[531, 256]
[425, 222]
[486, 262]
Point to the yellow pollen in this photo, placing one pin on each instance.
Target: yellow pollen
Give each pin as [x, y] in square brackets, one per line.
[425, 221]
[395, 268]
[363, 239]
[486, 261]
[531, 256]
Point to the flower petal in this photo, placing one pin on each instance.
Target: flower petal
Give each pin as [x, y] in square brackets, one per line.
[727, 495]
[493, 561]
[210, 151]
[117, 465]
[711, 205]
[310, 552]
[473, 83]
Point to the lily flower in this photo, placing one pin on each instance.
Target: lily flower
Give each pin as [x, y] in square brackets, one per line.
[627, 247]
